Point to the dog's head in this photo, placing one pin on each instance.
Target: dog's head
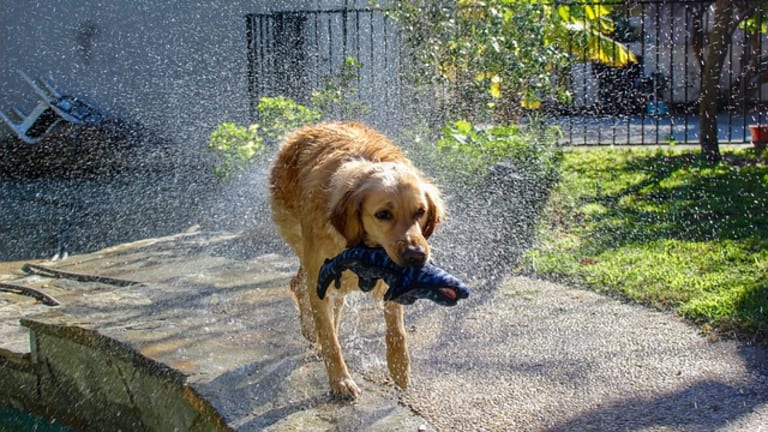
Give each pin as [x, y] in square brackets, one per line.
[386, 204]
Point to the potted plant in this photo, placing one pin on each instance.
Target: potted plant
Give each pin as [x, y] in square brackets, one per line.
[759, 135]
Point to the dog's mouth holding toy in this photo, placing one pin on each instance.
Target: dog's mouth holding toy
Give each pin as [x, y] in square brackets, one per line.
[406, 284]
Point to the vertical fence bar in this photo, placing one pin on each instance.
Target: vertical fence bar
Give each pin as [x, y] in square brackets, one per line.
[329, 44]
[729, 99]
[371, 67]
[267, 60]
[613, 117]
[599, 108]
[744, 86]
[250, 57]
[387, 72]
[703, 30]
[643, 111]
[397, 67]
[671, 82]
[344, 33]
[357, 51]
[570, 81]
[629, 115]
[685, 71]
[761, 105]
[587, 69]
[315, 50]
[657, 77]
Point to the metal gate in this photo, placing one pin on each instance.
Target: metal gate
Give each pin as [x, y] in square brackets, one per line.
[293, 53]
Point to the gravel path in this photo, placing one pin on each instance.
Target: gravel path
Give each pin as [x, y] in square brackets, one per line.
[530, 355]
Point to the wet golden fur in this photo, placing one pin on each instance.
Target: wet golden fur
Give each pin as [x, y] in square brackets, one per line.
[335, 185]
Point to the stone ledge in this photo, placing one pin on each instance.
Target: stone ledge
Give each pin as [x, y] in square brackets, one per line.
[109, 385]
[20, 380]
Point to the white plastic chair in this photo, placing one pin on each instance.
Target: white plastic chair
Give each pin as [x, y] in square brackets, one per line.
[50, 110]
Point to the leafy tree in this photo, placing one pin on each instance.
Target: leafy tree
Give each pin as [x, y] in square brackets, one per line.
[711, 49]
[503, 56]
[755, 65]
[280, 115]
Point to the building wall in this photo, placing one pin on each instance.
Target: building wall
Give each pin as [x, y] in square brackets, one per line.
[176, 68]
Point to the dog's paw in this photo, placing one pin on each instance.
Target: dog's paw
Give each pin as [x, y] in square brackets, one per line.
[345, 388]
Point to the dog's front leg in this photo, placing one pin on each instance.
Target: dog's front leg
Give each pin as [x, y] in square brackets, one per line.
[322, 310]
[398, 360]
[301, 295]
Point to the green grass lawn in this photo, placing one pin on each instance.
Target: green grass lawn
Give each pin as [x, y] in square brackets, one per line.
[663, 228]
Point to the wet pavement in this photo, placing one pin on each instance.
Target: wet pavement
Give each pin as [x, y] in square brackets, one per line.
[519, 355]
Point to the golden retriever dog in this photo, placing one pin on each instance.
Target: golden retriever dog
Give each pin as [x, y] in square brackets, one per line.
[341, 184]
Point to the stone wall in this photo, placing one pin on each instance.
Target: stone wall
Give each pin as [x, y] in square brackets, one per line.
[92, 382]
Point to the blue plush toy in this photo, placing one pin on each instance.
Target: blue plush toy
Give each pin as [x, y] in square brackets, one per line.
[406, 284]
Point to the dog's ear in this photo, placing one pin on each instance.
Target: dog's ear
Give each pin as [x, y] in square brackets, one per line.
[435, 210]
[345, 217]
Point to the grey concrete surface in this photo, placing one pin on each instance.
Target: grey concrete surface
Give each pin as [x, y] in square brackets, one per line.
[531, 355]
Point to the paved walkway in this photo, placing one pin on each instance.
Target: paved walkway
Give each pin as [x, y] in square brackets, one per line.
[521, 355]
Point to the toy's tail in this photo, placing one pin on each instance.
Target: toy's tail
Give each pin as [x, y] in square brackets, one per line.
[327, 274]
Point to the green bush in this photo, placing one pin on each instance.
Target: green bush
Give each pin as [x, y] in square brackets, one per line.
[465, 152]
[235, 147]
[280, 115]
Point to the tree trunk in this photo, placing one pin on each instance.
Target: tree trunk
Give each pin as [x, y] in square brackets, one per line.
[717, 49]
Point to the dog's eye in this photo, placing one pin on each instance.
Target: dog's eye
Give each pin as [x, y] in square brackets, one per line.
[383, 215]
[420, 213]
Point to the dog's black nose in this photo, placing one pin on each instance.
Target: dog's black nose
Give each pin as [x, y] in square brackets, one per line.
[414, 256]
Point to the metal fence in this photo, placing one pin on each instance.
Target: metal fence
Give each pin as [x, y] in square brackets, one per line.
[295, 53]
[656, 100]
[652, 101]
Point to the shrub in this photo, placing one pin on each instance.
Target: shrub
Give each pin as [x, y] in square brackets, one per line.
[280, 115]
[337, 97]
[465, 153]
[236, 146]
